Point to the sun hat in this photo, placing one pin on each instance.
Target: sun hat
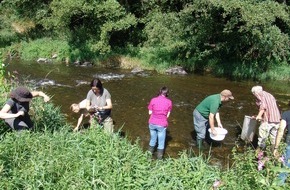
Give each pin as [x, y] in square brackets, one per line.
[221, 134]
[227, 93]
[21, 94]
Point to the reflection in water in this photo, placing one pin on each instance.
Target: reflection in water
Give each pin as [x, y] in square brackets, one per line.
[132, 93]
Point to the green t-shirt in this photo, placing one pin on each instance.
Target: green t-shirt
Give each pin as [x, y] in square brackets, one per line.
[210, 104]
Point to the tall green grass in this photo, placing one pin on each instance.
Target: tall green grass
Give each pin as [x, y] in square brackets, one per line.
[279, 72]
[47, 116]
[41, 48]
[93, 160]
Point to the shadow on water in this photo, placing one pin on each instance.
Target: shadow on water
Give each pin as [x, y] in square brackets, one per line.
[132, 93]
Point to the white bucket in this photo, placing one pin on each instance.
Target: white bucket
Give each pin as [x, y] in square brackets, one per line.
[249, 128]
[221, 134]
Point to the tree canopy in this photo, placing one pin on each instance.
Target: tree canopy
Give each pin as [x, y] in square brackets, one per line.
[194, 33]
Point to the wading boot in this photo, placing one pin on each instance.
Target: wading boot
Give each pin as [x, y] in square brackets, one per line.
[199, 143]
[151, 149]
[160, 154]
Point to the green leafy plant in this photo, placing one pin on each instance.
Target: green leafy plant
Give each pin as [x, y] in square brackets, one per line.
[46, 116]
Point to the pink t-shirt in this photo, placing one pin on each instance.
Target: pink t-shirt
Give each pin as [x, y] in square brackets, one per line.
[160, 106]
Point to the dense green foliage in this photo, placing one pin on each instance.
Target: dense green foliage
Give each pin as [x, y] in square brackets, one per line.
[238, 38]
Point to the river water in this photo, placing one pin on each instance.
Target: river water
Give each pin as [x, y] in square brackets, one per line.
[132, 93]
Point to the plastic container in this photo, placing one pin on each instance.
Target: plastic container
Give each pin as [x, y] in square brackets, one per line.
[249, 128]
[221, 133]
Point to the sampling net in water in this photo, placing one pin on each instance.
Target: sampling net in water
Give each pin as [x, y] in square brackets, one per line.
[249, 128]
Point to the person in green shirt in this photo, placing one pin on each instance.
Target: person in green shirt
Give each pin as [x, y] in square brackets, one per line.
[206, 111]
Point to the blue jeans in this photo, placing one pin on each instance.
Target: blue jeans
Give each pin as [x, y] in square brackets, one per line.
[157, 131]
[283, 176]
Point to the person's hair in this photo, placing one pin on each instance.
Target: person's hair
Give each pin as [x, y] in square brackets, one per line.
[97, 83]
[75, 108]
[163, 91]
[257, 89]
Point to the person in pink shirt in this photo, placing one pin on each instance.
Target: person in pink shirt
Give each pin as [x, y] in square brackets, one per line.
[159, 110]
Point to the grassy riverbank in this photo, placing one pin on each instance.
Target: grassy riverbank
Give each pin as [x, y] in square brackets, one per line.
[95, 160]
[146, 58]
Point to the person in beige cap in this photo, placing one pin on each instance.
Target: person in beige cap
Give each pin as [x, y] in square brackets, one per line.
[206, 111]
[18, 104]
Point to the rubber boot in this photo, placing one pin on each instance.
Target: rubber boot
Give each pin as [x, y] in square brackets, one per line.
[199, 143]
[151, 149]
[160, 154]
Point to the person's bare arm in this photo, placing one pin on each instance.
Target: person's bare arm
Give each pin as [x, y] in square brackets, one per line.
[211, 123]
[6, 108]
[279, 136]
[4, 115]
[108, 106]
[79, 122]
[259, 116]
[41, 94]
[218, 120]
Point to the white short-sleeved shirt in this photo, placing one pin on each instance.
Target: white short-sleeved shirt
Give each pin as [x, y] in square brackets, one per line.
[83, 104]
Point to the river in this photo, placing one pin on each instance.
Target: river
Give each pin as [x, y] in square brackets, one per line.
[131, 94]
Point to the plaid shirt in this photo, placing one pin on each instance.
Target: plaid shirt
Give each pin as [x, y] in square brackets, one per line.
[267, 102]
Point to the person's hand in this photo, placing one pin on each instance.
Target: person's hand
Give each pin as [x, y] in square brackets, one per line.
[220, 125]
[20, 113]
[92, 109]
[98, 108]
[258, 118]
[46, 98]
[276, 153]
[213, 131]
[278, 156]
[75, 129]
